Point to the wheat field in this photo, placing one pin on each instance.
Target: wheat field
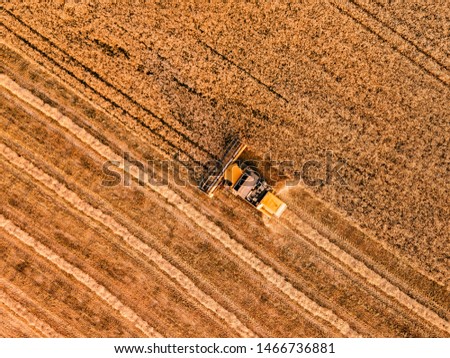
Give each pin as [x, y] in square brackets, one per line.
[84, 84]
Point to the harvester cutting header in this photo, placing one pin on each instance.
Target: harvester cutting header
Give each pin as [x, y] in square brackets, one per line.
[243, 181]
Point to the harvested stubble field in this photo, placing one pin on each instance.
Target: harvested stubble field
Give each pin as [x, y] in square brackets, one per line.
[81, 84]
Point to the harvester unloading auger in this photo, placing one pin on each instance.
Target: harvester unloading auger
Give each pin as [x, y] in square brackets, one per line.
[243, 181]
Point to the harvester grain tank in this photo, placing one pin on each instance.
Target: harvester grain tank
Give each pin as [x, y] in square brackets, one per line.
[243, 181]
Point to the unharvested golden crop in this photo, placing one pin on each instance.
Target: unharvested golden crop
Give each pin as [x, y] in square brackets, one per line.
[363, 83]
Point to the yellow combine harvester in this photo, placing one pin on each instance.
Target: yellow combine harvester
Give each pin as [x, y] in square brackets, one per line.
[243, 181]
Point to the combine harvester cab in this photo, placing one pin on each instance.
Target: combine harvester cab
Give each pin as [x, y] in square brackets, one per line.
[243, 182]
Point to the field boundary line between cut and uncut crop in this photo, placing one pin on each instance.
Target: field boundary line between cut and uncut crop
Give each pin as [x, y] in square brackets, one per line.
[350, 13]
[65, 266]
[360, 268]
[239, 250]
[19, 310]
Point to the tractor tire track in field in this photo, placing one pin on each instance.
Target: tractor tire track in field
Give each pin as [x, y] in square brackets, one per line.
[65, 266]
[267, 272]
[161, 135]
[23, 313]
[68, 59]
[410, 25]
[240, 68]
[394, 40]
[364, 9]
